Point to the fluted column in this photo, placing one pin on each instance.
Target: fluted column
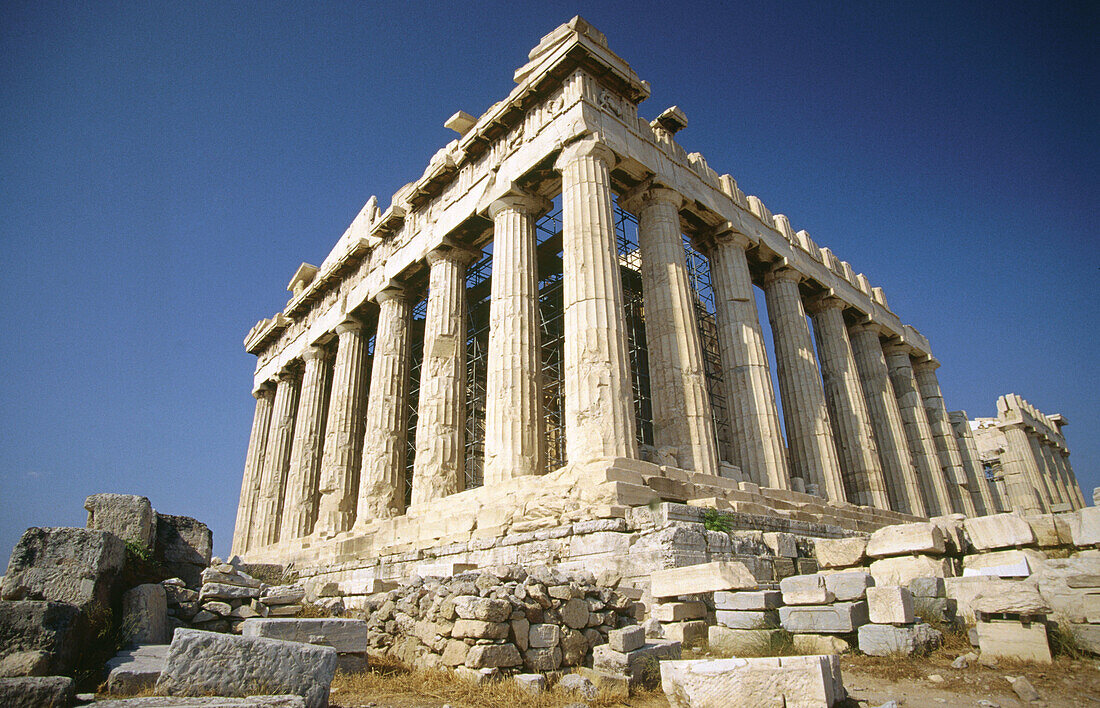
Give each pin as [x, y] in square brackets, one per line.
[1054, 474]
[1022, 472]
[750, 398]
[599, 397]
[300, 507]
[1075, 488]
[922, 448]
[1046, 473]
[514, 427]
[809, 433]
[339, 484]
[253, 468]
[855, 442]
[439, 468]
[982, 493]
[947, 448]
[886, 421]
[280, 441]
[382, 473]
[682, 417]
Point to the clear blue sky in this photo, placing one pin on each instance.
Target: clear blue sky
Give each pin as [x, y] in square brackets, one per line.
[164, 168]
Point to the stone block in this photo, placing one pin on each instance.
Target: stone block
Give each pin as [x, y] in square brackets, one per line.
[145, 614]
[954, 537]
[679, 611]
[902, 570]
[838, 618]
[998, 531]
[36, 691]
[1016, 563]
[819, 644]
[493, 656]
[771, 682]
[1022, 599]
[940, 610]
[577, 684]
[542, 658]
[849, 584]
[127, 516]
[204, 663]
[840, 552]
[574, 613]
[626, 639]
[760, 600]
[1051, 530]
[77, 566]
[183, 545]
[705, 577]
[221, 591]
[531, 683]
[733, 642]
[574, 647]
[688, 634]
[1087, 636]
[926, 587]
[747, 619]
[1009, 639]
[906, 539]
[542, 636]
[482, 608]
[640, 665]
[347, 636]
[1084, 526]
[476, 629]
[805, 590]
[965, 591]
[212, 575]
[890, 604]
[613, 686]
[136, 670]
[282, 595]
[884, 639]
[783, 545]
[50, 630]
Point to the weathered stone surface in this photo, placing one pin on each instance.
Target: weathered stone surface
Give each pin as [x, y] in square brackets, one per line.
[492, 656]
[1069, 603]
[723, 640]
[476, 629]
[1015, 563]
[127, 516]
[1087, 636]
[848, 585]
[343, 635]
[228, 592]
[212, 575]
[762, 600]
[839, 618]
[36, 692]
[575, 683]
[626, 639]
[36, 626]
[965, 591]
[927, 587]
[1050, 530]
[77, 566]
[541, 636]
[998, 531]
[805, 590]
[883, 639]
[145, 614]
[819, 644]
[1022, 599]
[574, 647]
[542, 658]
[688, 634]
[840, 552]
[135, 670]
[1084, 526]
[747, 619]
[772, 682]
[890, 604]
[679, 611]
[904, 569]
[705, 577]
[203, 663]
[574, 613]
[25, 663]
[1009, 639]
[283, 595]
[639, 665]
[905, 539]
[482, 608]
[531, 683]
[183, 545]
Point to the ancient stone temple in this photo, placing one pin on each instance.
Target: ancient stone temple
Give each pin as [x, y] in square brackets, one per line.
[553, 330]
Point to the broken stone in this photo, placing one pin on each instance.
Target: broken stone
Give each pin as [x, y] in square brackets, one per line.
[626, 639]
[705, 577]
[77, 566]
[884, 639]
[906, 539]
[689, 634]
[819, 644]
[762, 600]
[127, 516]
[890, 604]
[575, 683]
[904, 569]
[805, 590]
[838, 618]
[483, 608]
[145, 614]
[849, 584]
[772, 681]
[135, 670]
[679, 611]
[1011, 639]
[49, 631]
[531, 683]
[541, 636]
[36, 691]
[492, 656]
[344, 635]
[747, 619]
[840, 552]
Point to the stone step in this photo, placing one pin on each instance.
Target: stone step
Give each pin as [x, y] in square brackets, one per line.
[134, 670]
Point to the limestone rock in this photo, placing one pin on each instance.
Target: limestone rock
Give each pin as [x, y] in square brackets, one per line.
[343, 635]
[77, 566]
[1084, 526]
[483, 608]
[127, 516]
[705, 577]
[25, 663]
[927, 587]
[890, 604]
[542, 658]
[203, 663]
[134, 670]
[906, 539]
[492, 656]
[36, 692]
[805, 590]
[477, 629]
[772, 681]
[574, 647]
[640, 665]
[679, 611]
[883, 639]
[688, 634]
[733, 642]
[228, 592]
[747, 619]
[838, 618]
[575, 683]
[626, 639]
[283, 595]
[145, 614]
[819, 644]
[541, 636]
[904, 569]
[49, 629]
[1010, 639]
[1022, 599]
[849, 584]
[840, 552]
[531, 683]
[965, 592]
[998, 531]
[183, 545]
[761, 600]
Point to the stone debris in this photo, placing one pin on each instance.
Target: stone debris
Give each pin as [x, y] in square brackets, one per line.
[575, 683]
[346, 636]
[36, 692]
[531, 683]
[1023, 688]
[806, 590]
[639, 667]
[987, 533]
[906, 539]
[840, 552]
[819, 644]
[702, 578]
[907, 640]
[890, 604]
[134, 670]
[848, 585]
[1014, 639]
[145, 614]
[76, 566]
[838, 618]
[38, 637]
[127, 516]
[183, 547]
[810, 681]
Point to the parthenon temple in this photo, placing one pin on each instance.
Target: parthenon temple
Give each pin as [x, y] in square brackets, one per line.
[557, 325]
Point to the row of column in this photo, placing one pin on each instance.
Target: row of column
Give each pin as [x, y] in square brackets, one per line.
[1037, 474]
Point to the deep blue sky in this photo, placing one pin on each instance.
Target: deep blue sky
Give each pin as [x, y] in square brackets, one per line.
[165, 168]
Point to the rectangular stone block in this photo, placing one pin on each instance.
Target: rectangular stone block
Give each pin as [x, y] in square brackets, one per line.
[906, 539]
[77, 566]
[1009, 639]
[747, 619]
[679, 611]
[1084, 526]
[759, 600]
[626, 639]
[840, 552]
[771, 682]
[904, 569]
[998, 531]
[927, 587]
[805, 590]
[635, 664]
[890, 604]
[347, 636]
[688, 634]
[1016, 563]
[783, 545]
[705, 577]
[884, 640]
[848, 585]
[966, 591]
[838, 618]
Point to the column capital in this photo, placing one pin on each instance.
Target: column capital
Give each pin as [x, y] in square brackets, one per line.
[264, 390]
[349, 325]
[649, 193]
[868, 326]
[727, 234]
[393, 291]
[287, 373]
[585, 147]
[315, 352]
[926, 364]
[523, 202]
[452, 253]
[896, 346]
[823, 303]
[783, 272]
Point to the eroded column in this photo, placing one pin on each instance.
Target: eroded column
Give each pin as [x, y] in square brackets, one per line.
[1075, 487]
[514, 427]
[886, 421]
[253, 467]
[343, 434]
[1022, 472]
[855, 443]
[922, 448]
[439, 468]
[280, 441]
[682, 417]
[1054, 473]
[382, 473]
[599, 398]
[750, 398]
[1046, 473]
[982, 493]
[809, 434]
[300, 507]
[947, 448]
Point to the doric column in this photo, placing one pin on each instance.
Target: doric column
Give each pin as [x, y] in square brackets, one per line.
[1046, 475]
[439, 468]
[750, 398]
[982, 492]
[1075, 487]
[1022, 472]
[300, 507]
[919, 435]
[280, 441]
[886, 421]
[382, 473]
[809, 434]
[682, 417]
[947, 448]
[343, 434]
[514, 427]
[599, 396]
[855, 442]
[1054, 474]
[253, 467]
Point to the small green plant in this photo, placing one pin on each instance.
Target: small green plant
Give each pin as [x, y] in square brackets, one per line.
[138, 550]
[714, 520]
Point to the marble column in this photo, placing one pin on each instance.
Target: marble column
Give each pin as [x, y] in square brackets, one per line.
[809, 433]
[300, 507]
[280, 441]
[253, 467]
[599, 396]
[385, 436]
[439, 468]
[982, 492]
[682, 416]
[855, 443]
[340, 460]
[1022, 472]
[886, 421]
[922, 448]
[1046, 472]
[514, 426]
[1054, 474]
[1075, 487]
[947, 448]
[750, 398]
